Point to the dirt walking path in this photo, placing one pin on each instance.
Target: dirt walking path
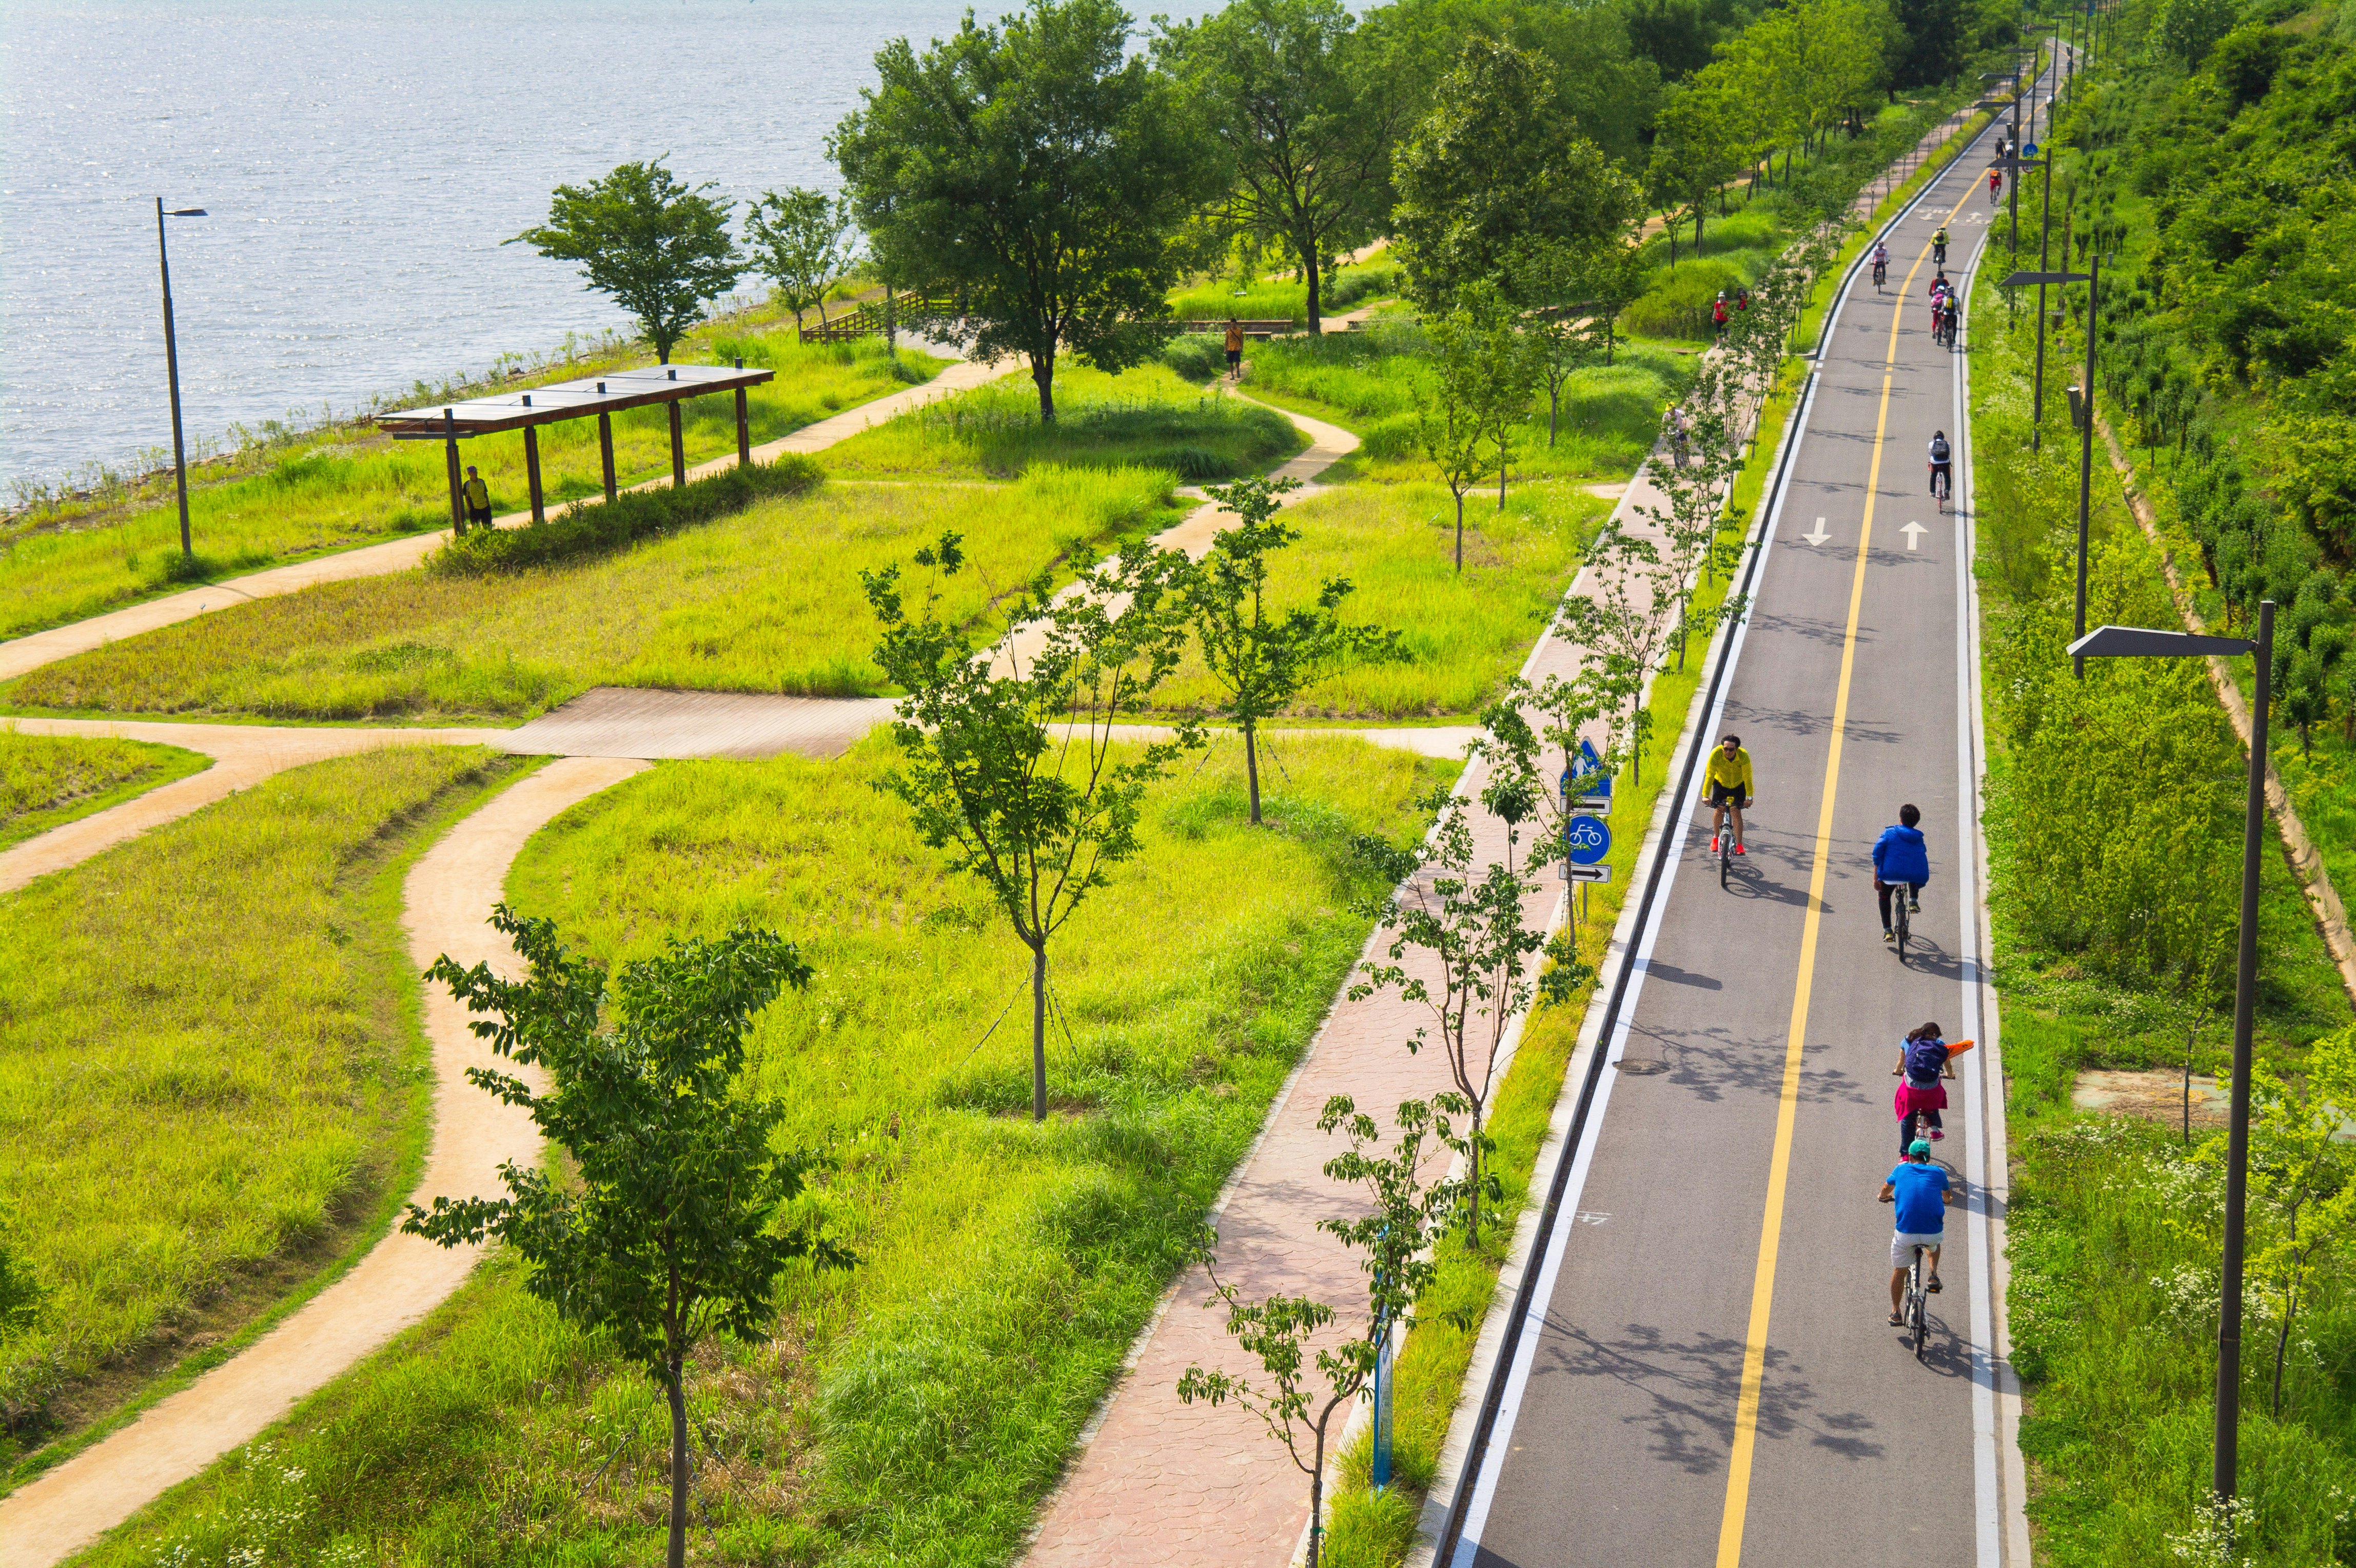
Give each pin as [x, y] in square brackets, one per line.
[448, 899]
[22, 654]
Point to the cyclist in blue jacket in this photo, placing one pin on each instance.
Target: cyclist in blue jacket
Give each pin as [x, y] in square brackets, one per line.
[1899, 860]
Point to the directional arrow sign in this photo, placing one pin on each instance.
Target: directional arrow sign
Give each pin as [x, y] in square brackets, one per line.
[1819, 536]
[1591, 874]
[1913, 533]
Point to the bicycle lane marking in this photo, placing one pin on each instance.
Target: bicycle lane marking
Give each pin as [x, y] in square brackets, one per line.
[1787, 1109]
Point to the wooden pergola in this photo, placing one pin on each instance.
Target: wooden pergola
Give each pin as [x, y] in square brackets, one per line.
[604, 396]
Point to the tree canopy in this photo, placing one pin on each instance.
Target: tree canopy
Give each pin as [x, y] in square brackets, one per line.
[659, 247]
[799, 239]
[1041, 174]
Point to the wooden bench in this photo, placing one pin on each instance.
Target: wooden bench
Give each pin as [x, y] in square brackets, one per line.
[1261, 329]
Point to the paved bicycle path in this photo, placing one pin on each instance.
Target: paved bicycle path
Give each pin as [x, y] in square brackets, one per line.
[1708, 1375]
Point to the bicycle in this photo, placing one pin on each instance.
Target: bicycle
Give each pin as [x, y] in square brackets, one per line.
[1881, 275]
[1898, 895]
[1942, 484]
[1725, 857]
[1918, 1302]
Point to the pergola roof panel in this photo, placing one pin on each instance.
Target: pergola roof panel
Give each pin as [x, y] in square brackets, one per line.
[608, 393]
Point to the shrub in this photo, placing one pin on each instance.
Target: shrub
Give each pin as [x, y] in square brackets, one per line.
[1679, 307]
[1198, 356]
[582, 528]
[1393, 437]
[1356, 283]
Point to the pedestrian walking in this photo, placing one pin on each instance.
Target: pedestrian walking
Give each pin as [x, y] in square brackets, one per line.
[1717, 315]
[1235, 349]
[479, 499]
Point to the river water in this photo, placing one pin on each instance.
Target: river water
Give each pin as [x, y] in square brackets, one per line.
[360, 165]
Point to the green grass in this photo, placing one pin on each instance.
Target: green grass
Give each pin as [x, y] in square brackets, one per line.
[213, 1074]
[1371, 1531]
[1462, 634]
[47, 781]
[917, 1409]
[1273, 299]
[768, 601]
[1147, 417]
[352, 488]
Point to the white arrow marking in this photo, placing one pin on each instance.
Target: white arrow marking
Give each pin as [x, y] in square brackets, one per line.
[1819, 536]
[1913, 533]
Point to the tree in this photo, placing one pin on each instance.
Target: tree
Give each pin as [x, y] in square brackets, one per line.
[1696, 149]
[1038, 172]
[659, 248]
[1936, 39]
[1262, 659]
[799, 243]
[1625, 622]
[1306, 121]
[1395, 1238]
[1037, 823]
[1477, 383]
[1496, 168]
[681, 1221]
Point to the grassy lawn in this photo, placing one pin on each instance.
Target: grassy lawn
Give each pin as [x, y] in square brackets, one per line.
[1146, 417]
[1275, 299]
[768, 601]
[1463, 635]
[350, 488]
[212, 1078]
[47, 781]
[917, 1409]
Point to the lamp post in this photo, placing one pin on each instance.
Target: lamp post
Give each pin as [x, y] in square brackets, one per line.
[172, 368]
[2138, 642]
[2082, 411]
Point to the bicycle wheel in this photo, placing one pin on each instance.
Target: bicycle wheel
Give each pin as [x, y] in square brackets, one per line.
[1725, 859]
[1897, 902]
[1920, 1306]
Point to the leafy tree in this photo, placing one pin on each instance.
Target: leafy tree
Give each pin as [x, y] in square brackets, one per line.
[659, 248]
[1937, 37]
[1604, 87]
[799, 240]
[1395, 1238]
[678, 1224]
[1306, 119]
[1036, 821]
[1495, 170]
[1696, 149]
[1464, 913]
[1477, 383]
[1626, 623]
[1041, 174]
[1260, 659]
[1676, 36]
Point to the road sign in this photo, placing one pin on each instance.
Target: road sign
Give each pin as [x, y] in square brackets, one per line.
[1586, 840]
[1589, 803]
[1591, 874]
[1586, 780]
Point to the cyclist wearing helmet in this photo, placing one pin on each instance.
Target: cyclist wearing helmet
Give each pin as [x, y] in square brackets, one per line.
[1727, 776]
[1880, 263]
[1939, 247]
[1942, 472]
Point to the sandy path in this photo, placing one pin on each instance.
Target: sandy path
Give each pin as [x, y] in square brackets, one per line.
[448, 898]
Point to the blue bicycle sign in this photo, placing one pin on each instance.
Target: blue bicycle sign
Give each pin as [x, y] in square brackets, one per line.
[1586, 840]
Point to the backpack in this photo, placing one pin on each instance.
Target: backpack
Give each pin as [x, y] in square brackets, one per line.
[1938, 451]
[1924, 1060]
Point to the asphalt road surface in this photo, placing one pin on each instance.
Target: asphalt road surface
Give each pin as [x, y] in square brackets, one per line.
[1708, 1375]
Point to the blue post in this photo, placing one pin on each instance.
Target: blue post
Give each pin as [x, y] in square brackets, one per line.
[1380, 1473]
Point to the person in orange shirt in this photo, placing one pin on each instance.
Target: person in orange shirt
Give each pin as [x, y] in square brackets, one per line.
[1235, 349]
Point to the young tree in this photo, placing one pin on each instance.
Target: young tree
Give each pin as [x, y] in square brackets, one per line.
[1306, 118]
[1038, 821]
[1625, 624]
[1395, 1238]
[1477, 386]
[1467, 917]
[800, 244]
[679, 1224]
[1695, 150]
[659, 248]
[1042, 173]
[1496, 168]
[1260, 659]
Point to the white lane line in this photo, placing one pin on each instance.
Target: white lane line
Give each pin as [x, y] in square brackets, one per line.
[1501, 1435]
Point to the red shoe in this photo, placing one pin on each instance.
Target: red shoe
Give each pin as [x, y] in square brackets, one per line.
[1739, 850]
[1713, 843]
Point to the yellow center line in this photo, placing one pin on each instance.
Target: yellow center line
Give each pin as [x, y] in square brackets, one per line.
[1787, 1109]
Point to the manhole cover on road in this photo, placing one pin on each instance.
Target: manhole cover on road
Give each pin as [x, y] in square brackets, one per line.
[1641, 1069]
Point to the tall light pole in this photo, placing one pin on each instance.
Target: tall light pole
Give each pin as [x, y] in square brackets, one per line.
[2082, 411]
[2136, 642]
[172, 368]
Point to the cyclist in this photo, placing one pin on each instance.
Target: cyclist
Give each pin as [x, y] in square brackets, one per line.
[1922, 1192]
[1923, 1059]
[1949, 310]
[1899, 858]
[1880, 263]
[1727, 776]
[1943, 484]
[1939, 249]
[1996, 183]
[1717, 315]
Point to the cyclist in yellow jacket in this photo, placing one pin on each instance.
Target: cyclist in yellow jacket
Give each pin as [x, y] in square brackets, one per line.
[1726, 777]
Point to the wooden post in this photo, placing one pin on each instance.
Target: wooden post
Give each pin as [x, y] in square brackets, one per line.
[744, 427]
[606, 448]
[450, 455]
[532, 471]
[678, 450]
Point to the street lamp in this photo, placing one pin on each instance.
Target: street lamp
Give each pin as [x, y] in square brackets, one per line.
[2138, 642]
[2082, 406]
[172, 368]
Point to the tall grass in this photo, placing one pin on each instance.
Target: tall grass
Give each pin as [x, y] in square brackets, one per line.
[1146, 417]
[212, 1068]
[48, 780]
[1273, 299]
[917, 1408]
[343, 491]
[766, 601]
[1461, 635]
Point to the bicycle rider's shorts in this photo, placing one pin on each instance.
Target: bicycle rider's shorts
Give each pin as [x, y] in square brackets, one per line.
[1902, 1245]
[1725, 795]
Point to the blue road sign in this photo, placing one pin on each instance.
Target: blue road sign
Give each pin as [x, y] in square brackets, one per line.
[1585, 777]
[1586, 840]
